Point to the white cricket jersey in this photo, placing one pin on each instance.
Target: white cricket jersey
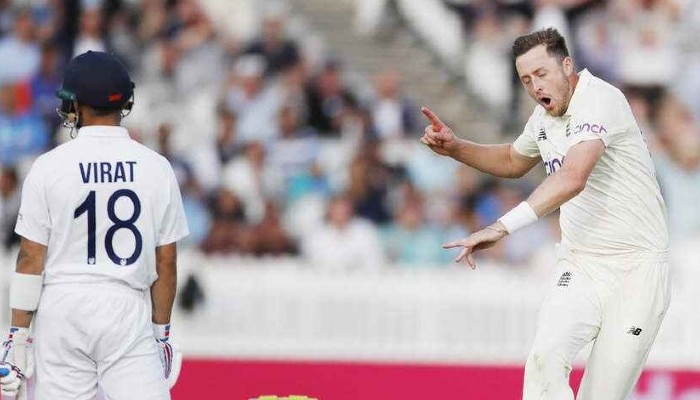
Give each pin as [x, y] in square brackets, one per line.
[101, 203]
[621, 210]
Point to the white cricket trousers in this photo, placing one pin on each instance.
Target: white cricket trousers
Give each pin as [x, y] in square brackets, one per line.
[87, 335]
[617, 302]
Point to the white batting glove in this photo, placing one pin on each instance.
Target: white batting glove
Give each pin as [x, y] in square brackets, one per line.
[9, 381]
[170, 357]
[16, 363]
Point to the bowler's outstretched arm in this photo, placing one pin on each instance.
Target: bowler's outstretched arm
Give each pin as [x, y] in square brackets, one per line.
[501, 160]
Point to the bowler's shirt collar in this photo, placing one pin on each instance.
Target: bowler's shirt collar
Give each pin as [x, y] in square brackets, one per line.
[584, 79]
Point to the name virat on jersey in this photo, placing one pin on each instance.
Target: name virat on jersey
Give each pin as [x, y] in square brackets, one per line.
[107, 172]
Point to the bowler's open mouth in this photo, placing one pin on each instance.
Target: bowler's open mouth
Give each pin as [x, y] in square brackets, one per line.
[546, 101]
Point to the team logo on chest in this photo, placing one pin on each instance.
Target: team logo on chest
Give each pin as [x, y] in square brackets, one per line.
[565, 279]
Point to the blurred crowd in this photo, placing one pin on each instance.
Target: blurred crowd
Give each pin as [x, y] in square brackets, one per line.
[648, 48]
[276, 150]
[279, 151]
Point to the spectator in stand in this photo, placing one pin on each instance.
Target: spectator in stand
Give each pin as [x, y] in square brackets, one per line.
[122, 32]
[487, 203]
[153, 20]
[599, 52]
[336, 156]
[687, 83]
[344, 243]
[200, 63]
[192, 194]
[6, 17]
[254, 180]
[393, 115]
[678, 166]
[355, 122]
[488, 68]
[23, 134]
[279, 52]
[43, 86]
[326, 96]
[181, 167]
[451, 209]
[427, 172]
[270, 237]
[157, 86]
[411, 241]
[550, 14]
[255, 102]
[461, 218]
[369, 184]
[211, 158]
[526, 241]
[228, 145]
[648, 48]
[294, 156]
[9, 207]
[19, 52]
[291, 83]
[643, 114]
[46, 16]
[228, 232]
[91, 32]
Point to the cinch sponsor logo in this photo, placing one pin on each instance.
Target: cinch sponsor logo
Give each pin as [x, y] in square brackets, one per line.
[586, 127]
[551, 166]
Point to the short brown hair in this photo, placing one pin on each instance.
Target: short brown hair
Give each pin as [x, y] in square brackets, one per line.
[550, 37]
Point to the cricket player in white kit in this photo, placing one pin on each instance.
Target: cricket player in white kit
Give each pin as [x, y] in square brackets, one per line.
[612, 260]
[99, 221]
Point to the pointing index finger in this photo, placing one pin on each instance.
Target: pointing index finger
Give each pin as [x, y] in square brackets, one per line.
[434, 120]
[451, 245]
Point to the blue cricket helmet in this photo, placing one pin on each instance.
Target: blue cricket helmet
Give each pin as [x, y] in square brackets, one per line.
[98, 80]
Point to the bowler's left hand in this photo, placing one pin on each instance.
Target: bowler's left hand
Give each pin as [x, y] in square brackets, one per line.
[479, 240]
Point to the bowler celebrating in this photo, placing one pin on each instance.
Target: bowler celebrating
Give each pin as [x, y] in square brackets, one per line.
[613, 256]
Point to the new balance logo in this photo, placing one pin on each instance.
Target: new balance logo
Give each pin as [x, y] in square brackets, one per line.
[565, 279]
[635, 331]
[542, 135]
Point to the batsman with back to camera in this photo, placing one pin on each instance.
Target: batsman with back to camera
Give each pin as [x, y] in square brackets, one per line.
[100, 217]
[613, 256]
